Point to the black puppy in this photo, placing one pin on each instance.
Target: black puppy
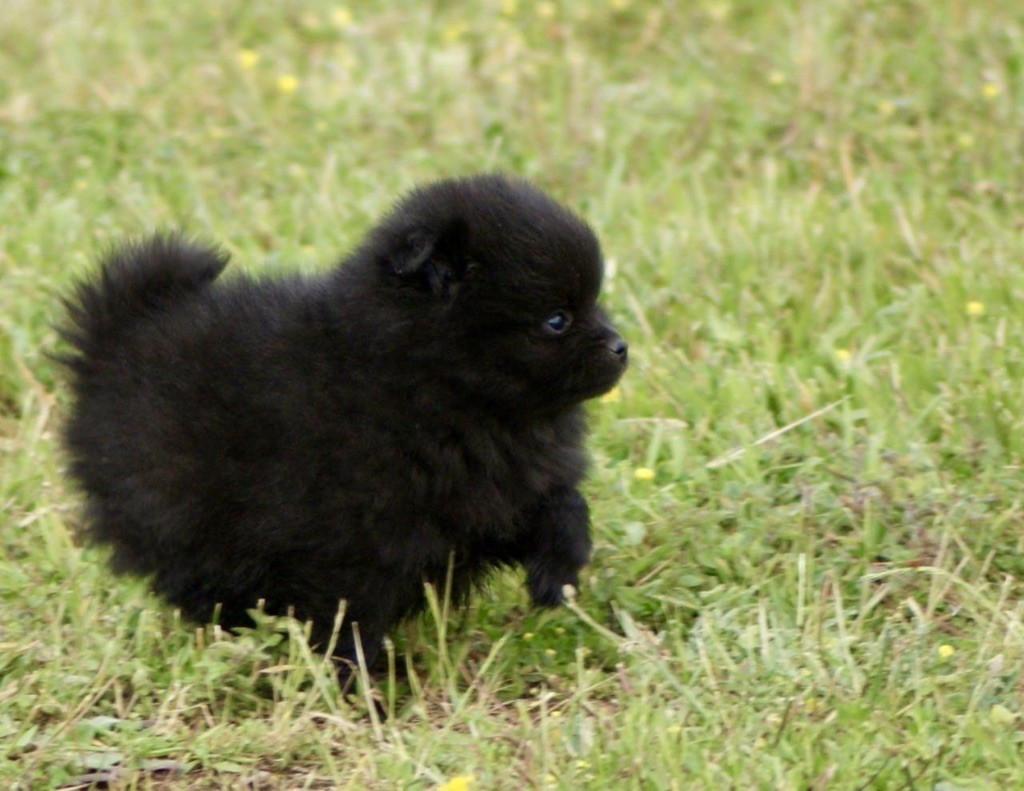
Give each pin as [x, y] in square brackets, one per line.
[306, 441]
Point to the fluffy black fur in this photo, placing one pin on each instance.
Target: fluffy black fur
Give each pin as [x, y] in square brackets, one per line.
[303, 441]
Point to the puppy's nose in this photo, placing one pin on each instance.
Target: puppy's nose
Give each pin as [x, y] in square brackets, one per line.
[618, 347]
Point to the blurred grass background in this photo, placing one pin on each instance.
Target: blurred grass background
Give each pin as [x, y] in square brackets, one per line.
[807, 491]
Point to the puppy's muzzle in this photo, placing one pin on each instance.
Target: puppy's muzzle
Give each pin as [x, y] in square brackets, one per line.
[618, 347]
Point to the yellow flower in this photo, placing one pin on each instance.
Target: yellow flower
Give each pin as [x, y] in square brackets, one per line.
[619, 5]
[674, 729]
[528, 635]
[247, 58]
[217, 133]
[287, 83]
[886, 108]
[546, 10]
[975, 308]
[454, 31]
[458, 783]
[341, 17]
[990, 90]
[945, 651]
[719, 11]
[508, 7]
[843, 355]
[776, 78]
[965, 140]
[581, 764]
[550, 651]
[811, 704]
[613, 396]
[554, 715]
[643, 474]
[1001, 715]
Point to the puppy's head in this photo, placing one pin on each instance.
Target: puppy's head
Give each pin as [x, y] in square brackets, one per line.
[500, 285]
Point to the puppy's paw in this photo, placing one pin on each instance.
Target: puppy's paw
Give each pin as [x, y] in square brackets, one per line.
[545, 583]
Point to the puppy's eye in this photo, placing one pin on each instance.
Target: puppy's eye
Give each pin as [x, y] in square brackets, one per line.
[558, 322]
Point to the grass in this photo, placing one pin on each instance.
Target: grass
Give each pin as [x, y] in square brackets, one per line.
[812, 205]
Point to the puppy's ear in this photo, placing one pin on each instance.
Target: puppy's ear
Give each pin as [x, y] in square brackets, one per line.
[434, 261]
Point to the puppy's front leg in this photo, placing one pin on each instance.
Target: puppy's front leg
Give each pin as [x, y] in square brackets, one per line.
[557, 545]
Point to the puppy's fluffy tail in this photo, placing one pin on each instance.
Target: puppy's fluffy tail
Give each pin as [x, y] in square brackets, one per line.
[135, 280]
